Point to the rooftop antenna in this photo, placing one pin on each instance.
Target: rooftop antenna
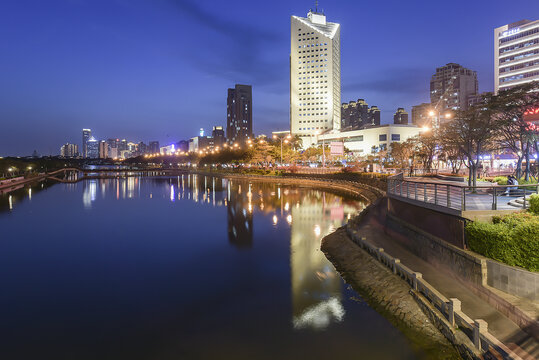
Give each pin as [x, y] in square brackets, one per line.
[316, 6]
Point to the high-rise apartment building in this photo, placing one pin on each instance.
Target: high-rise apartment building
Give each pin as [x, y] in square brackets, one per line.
[315, 76]
[69, 150]
[86, 134]
[420, 115]
[354, 114]
[400, 117]
[374, 116]
[103, 150]
[92, 148]
[451, 86]
[154, 147]
[516, 54]
[239, 114]
[218, 135]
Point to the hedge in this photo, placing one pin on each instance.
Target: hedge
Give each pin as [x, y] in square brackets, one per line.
[511, 239]
[534, 204]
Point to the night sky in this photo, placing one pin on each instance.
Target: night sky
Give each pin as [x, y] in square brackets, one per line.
[159, 69]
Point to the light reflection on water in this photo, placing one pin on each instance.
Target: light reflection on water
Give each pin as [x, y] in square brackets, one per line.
[197, 259]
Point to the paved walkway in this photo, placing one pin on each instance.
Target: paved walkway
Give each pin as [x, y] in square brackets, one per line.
[481, 200]
[500, 326]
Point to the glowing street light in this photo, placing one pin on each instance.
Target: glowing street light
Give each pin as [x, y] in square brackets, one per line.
[285, 139]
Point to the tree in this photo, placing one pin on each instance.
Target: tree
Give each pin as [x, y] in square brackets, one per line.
[513, 131]
[404, 153]
[472, 132]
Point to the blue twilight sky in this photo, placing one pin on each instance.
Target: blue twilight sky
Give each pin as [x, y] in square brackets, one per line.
[159, 69]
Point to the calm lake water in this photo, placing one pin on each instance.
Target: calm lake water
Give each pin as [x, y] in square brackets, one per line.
[188, 267]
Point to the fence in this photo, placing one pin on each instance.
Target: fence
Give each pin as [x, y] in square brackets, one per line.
[458, 196]
[450, 309]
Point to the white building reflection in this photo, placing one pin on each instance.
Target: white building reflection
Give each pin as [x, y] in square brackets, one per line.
[316, 286]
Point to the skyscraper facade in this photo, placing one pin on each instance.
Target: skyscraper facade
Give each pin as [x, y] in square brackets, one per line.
[400, 117]
[354, 114]
[154, 147]
[69, 150]
[103, 150]
[451, 86]
[218, 135]
[516, 54]
[86, 134]
[315, 76]
[420, 115]
[92, 148]
[239, 117]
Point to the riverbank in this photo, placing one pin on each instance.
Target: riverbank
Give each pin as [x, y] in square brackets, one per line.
[364, 192]
[387, 294]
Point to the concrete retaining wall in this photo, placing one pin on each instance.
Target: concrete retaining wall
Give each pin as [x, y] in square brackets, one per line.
[513, 280]
[439, 253]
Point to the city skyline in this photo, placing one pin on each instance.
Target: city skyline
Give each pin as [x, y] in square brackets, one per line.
[130, 70]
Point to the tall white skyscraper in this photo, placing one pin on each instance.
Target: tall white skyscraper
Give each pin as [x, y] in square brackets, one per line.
[315, 76]
[516, 54]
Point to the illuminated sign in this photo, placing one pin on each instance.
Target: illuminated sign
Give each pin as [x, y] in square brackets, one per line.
[532, 115]
[510, 32]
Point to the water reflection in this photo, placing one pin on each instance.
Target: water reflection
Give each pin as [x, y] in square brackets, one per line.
[179, 263]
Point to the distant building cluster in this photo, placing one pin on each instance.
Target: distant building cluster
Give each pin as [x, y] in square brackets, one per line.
[239, 131]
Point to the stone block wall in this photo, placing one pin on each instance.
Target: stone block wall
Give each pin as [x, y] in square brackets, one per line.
[513, 280]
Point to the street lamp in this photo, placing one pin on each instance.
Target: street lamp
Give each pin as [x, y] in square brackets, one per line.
[285, 138]
[436, 115]
[317, 132]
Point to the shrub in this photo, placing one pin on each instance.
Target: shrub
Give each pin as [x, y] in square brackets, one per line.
[512, 239]
[501, 180]
[534, 204]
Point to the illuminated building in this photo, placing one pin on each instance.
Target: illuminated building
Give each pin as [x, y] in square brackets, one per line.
[69, 150]
[218, 135]
[92, 148]
[315, 76]
[400, 117]
[420, 115]
[103, 150]
[516, 54]
[354, 114]
[451, 86]
[199, 143]
[86, 134]
[239, 114]
[371, 139]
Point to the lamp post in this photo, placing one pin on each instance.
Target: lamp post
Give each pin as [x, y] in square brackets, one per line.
[323, 148]
[436, 116]
[285, 139]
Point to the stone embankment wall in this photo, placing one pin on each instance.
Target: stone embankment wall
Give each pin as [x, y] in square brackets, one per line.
[513, 280]
[387, 294]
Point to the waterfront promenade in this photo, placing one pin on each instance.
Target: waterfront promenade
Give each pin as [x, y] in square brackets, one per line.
[373, 228]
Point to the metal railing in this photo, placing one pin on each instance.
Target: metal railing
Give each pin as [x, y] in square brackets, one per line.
[462, 197]
[450, 309]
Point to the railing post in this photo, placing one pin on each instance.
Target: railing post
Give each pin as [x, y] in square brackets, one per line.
[415, 190]
[408, 190]
[452, 306]
[524, 206]
[463, 199]
[415, 276]
[435, 194]
[425, 192]
[479, 327]
[400, 187]
[379, 254]
[394, 265]
[494, 200]
[448, 196]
